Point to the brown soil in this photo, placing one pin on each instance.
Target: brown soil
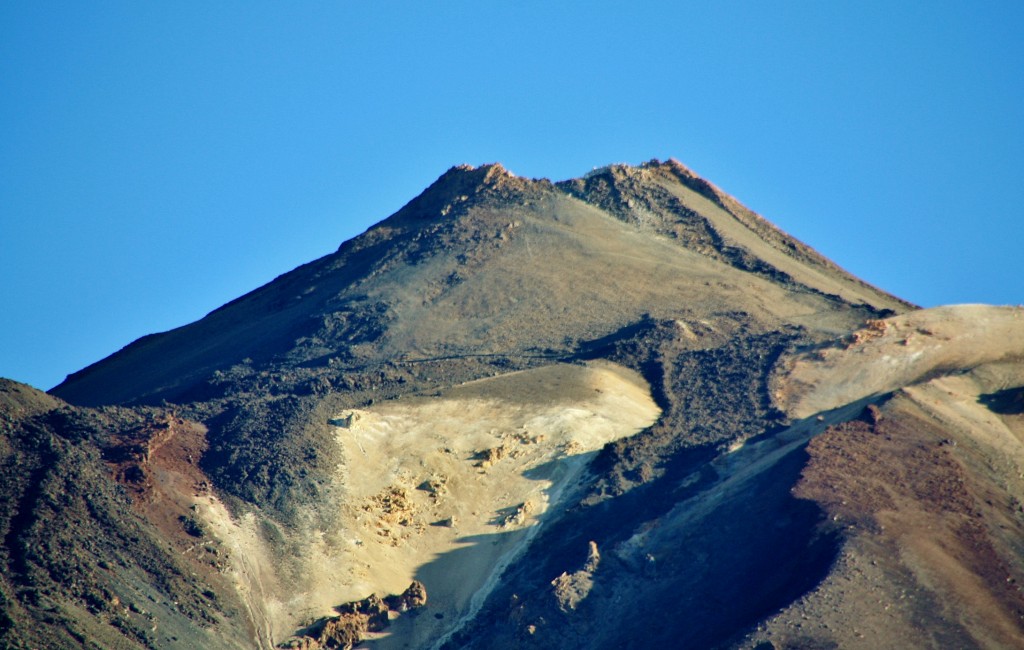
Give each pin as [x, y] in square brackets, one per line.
[900, 479]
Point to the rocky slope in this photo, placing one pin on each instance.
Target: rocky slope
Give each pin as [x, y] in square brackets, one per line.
[613, 410]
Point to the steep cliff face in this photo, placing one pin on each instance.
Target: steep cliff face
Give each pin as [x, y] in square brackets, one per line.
[585, 414]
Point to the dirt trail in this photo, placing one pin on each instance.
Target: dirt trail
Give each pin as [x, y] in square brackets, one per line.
[248, 563]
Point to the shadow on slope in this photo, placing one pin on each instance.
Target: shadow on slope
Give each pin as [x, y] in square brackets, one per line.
[699, 586]
[1005, 402]
[708, 578]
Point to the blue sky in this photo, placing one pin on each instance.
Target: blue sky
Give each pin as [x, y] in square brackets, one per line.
[160, 159]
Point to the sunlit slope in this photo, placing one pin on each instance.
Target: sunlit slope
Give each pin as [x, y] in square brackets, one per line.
[895, 352]
[446, 489]
[487, 263]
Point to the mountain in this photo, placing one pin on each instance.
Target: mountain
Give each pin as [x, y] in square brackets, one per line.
[614, 410]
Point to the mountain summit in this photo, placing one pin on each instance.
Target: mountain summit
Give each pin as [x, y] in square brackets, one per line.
[620, 409]
[484, 262]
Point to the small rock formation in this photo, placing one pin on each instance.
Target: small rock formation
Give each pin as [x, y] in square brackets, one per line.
[345, 420]
[435, 486]
[872, 329]
[516, 515]
[413, 597]
[395, 514]
[872, 414]
[489, 457]
[571, 589]
[355, 619]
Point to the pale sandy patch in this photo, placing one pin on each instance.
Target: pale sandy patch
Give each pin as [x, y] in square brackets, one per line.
[446, 489]
[899, 351]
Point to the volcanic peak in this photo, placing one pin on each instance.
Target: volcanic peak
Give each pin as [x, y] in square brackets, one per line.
[507, 372]
[458, 187]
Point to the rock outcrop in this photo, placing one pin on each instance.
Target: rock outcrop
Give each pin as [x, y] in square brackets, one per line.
[357, 619]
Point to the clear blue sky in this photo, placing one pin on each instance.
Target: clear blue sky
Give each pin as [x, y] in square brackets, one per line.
[160, 159]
